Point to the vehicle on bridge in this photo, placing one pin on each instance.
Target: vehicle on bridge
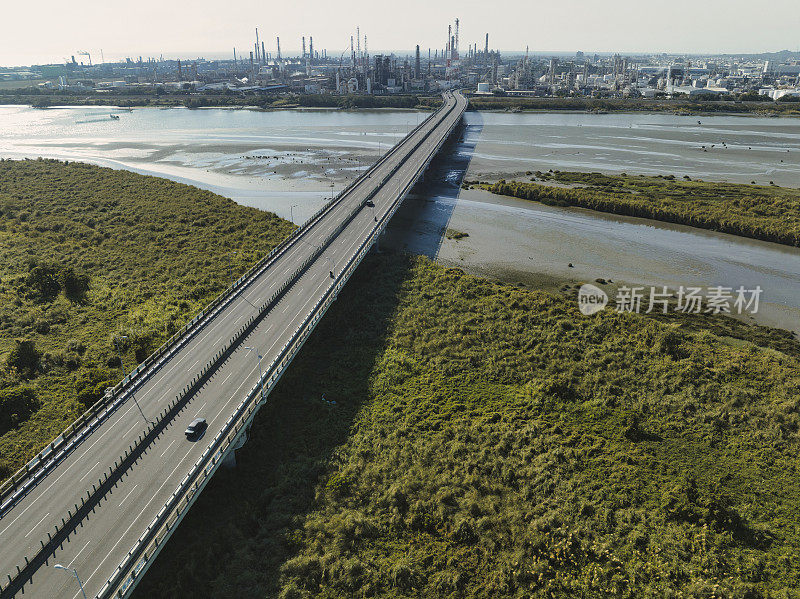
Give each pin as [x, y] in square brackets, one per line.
[196, 428]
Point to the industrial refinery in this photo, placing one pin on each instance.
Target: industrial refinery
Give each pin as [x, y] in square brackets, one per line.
[260, 66]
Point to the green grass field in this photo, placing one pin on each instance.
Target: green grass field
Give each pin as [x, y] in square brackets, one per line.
[489, 441]
[769, 213]
[89, 255]
[439, 435]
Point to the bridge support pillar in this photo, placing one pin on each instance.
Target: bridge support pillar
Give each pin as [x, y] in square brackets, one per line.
[230, 460]
[376, 247]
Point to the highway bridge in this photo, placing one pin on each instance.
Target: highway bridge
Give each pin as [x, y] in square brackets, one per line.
[105, 496]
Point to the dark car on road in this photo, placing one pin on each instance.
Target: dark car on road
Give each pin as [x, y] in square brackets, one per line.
[196, 428]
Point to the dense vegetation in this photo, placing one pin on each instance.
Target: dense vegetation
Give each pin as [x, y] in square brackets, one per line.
[446, 436]
[770, 213]
[765, 107]
[90, 256]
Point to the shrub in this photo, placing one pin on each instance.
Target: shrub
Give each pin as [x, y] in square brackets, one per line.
[16, 406]
[24, 358]
[42, 282]
[91, 385]
[75, 284]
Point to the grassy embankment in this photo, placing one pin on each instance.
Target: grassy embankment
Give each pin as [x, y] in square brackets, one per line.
[769, 213]
[489, 441]
[680, 106]
[44, 98]
[89, 255]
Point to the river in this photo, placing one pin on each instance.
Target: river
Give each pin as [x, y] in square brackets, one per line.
[290, 161]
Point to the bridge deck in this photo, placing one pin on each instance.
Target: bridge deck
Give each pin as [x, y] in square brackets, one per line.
[105, 537]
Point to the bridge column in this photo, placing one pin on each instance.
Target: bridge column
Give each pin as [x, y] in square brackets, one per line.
[230, 460]
[376, 247]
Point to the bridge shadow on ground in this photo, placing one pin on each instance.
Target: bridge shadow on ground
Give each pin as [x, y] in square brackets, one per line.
[420, 224]
[235, 538]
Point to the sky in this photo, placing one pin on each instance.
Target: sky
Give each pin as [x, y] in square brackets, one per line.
[45, 31]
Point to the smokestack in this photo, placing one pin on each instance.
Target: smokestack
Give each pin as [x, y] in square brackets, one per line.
[449, 37]
[311, 46]
[263, 54]
[486, 51]
[279, 48]
[304, 46]
[455, 49]
[257, 44]
[416, 65]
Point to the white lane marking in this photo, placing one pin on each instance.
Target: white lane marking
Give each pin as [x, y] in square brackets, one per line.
[33, 502]
[128, 495]
[167, 449]
[79, 552]
[129, 430]
[244, 380]
[203, 406]
[227, 377]
[35, 526]
[88, 471]
[135, 520]
[264, 279]
[193, 365]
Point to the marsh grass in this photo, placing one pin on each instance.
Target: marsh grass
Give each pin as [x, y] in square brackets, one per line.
[89, 255]
[490, 441]
[769, 213]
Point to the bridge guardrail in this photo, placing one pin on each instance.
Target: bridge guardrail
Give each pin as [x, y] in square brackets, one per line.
[130, 456]
[159, 530]
[125, 460]
[26, 477]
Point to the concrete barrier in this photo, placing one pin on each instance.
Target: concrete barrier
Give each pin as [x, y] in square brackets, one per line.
[155, 535]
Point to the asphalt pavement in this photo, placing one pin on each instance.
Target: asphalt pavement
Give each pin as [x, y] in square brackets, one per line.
[104, 538]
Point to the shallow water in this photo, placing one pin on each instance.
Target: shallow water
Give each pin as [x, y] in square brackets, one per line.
[525, 241]
[515, 239]
[272, 160]
[720, 148]
[290, 161]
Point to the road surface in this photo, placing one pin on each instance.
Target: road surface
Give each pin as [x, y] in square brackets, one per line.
[100, 544]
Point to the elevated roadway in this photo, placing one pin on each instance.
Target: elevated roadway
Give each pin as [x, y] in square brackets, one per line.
[211, 375]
